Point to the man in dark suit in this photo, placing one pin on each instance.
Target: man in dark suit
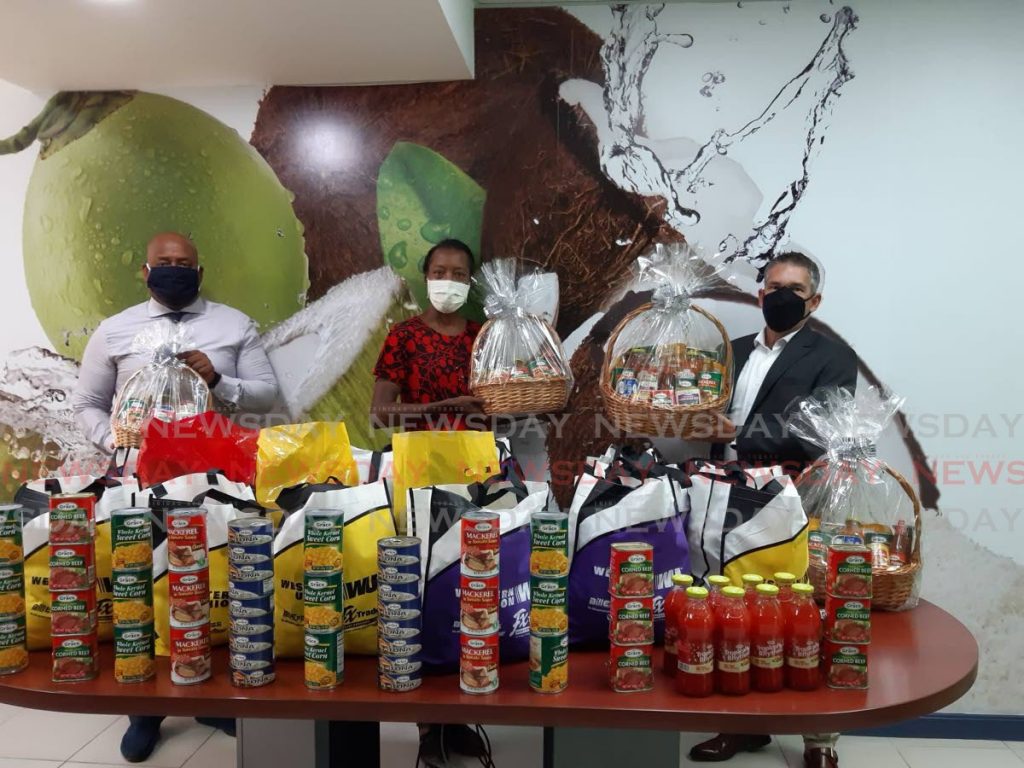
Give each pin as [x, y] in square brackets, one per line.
[782, 364]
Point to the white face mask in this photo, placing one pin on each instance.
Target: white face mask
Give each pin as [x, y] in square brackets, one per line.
[447, 296]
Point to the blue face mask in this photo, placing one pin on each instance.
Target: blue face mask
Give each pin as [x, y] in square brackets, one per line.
[174, 287]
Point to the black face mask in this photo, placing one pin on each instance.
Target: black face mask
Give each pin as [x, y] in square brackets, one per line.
[174, 287]
[783, 308]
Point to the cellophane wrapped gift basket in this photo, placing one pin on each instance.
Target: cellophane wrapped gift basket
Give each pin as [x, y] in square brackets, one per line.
[518, 365]
[165, 388]
[852, 496]
[669, 362]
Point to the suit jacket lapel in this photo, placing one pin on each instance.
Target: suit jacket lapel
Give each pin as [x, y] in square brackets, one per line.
[741, 350]
[795, 348]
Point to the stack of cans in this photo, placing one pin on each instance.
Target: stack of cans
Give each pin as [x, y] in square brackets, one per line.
[13, 648]
[73, 618]
[480, 596]
[131, 541]
[323, 596]
[251, 601]
[399, 614]
[188, 587]
[848, 590]
[549, 616]
[631, 616]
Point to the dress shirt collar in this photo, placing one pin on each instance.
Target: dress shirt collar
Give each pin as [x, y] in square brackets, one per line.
[760, 340]
[156, 309]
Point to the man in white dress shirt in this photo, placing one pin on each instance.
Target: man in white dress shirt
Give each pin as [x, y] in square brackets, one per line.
[228, 352]
[783, 363]
[228, 355]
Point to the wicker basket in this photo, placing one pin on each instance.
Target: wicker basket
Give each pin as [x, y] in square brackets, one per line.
[527, 396]
[664, 421]
[890, 589]
[125, 437]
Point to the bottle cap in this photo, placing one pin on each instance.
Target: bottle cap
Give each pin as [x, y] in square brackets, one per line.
[696, 593]
[720, 581]
[784, 577]
[682, 579]
[768, 589]
[733, 592]
[804, 589]
[752, 578]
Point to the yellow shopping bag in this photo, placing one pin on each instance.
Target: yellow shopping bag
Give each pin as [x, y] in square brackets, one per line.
[440, 458]
[293, 454]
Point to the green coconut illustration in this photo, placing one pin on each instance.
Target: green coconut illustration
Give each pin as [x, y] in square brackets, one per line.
[115, 168]
[422, 199]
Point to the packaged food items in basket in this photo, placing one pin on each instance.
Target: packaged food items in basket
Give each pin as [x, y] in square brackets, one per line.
[549, 663]
[847, 620]
[190, 654]
[165, 388]
[72, 518]
[481, 542]
[675, 606]
[478, 598]
[518, 364]
[631, 620]
[846, 665]
[323, 542]
[134, 654]
[13, 647]
[670, 360]
[852, 497]
[132, 593]
[549, 544]
[186, 539]
[631, 668]
[324, 660]
[12, 549]
[631, 571]
[695, 647]
[131, 539]
[75, 658]
[478, 663]
[802, 643]
[72, 566]
[848, 571]
[73, 613]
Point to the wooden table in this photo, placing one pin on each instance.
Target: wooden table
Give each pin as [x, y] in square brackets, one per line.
[921, 661]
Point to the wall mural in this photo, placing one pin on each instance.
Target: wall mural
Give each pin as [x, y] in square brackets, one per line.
[317, 228]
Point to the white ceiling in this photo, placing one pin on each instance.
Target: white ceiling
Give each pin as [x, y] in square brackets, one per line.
[47, 45]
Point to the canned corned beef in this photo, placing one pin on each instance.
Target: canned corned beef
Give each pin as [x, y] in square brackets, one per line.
[72, 567]
[631, 571]
[133, 654]
[72, 518]
[75, 658]
[73, 613]
[631, 620]
[631, 668]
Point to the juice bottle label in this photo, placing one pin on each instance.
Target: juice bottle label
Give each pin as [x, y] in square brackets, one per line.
[767, 654]
[697, 658]
[804, 654]
[734, 656]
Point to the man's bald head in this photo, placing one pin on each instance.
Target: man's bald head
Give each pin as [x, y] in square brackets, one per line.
[171, 249]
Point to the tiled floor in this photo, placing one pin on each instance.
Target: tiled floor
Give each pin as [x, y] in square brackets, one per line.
[34, 739]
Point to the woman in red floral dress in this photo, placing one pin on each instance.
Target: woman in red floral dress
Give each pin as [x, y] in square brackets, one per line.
[423, 370]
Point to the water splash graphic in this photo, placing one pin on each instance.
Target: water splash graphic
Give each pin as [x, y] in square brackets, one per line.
[684, 172]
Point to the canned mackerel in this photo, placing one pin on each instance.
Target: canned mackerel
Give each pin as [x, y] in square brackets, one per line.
[12, 550]
[631, 570]
[324, 660]
[190, 654]
[189, 598]
[72, 518]
[324, 540]
[481, 543]
[549, 544]
[131, 538]
[186, 539]
[478, 664]
[478, 599]
[549, 663]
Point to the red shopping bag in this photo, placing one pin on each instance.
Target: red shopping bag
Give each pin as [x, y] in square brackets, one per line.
[197, 444]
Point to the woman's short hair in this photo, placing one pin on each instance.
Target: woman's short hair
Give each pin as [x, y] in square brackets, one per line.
[451, 244]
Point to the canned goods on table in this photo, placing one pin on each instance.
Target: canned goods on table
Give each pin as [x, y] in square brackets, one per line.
[256, 534]
[398, 550]
[324, 540]
[73, 613]
[323, 596]
[132, 593]
[848, 573]
[631, 570]
[249, 590]
[399, 665]
[847, 620]
[131, 538]
[479, 598]
[478, 663]
[12, 548]
[189, 598]
[631, 620]
[186, 539]
[549, 544]
[398, 683]
[846, 665]
[548, 606]
[133, 654]
[399, 629]
[549, 663]
[13, 648]
[252, 668]
[631, 668]
[405, 595]
[324, 660]
[399, 575]
[75, 658]
[251, 608]
[248, 645]
[398, 647]
[72, 518]
[481, 543]
[253, 678]
[72, 566]
[239, 572]
[190, 654]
